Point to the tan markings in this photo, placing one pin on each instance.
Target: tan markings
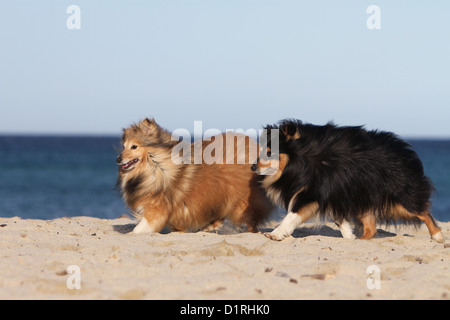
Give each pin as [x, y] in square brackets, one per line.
[282, 163]
[294, 197]
[429, 222]
[400, 212]
[368, 221]
[284, 159]
[295, 136]
[308, 211]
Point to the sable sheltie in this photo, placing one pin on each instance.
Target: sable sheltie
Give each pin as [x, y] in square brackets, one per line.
[347, 174]
[186, 197]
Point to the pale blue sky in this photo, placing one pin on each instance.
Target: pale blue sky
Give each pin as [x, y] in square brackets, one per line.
[229, 63]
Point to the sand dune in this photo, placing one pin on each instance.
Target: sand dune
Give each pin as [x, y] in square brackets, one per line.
[315, 263]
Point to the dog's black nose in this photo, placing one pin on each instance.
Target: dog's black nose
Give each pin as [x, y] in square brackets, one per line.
[119, 159]
[254, 167]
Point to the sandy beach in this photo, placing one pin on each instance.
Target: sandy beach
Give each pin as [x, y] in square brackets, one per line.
[91, 258]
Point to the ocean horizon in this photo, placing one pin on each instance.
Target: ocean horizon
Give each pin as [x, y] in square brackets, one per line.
[52, 176]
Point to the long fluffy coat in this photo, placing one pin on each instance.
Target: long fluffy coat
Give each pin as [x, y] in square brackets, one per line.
[350, 174]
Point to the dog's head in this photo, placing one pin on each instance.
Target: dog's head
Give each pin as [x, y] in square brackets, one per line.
[274, 147]
[137, 142]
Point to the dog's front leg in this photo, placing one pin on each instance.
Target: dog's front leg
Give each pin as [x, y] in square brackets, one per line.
[346, 229]
[151, 222]
[292, 221]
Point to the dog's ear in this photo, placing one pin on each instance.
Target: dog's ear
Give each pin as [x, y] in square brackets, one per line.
[148, 122]
[290, 132]
[149, 126]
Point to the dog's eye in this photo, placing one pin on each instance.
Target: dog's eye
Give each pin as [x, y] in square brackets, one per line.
[134, 146]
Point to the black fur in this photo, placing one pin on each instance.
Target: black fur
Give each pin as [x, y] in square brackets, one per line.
[133, 184]
[350, 171]
[132, 188]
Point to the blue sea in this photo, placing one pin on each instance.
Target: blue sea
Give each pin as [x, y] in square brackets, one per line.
[52, 177]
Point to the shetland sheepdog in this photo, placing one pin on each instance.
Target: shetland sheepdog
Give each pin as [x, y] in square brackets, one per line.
[347, 174]
[187, 196]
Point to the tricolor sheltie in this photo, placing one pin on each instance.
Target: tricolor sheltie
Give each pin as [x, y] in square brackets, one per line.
[347, 174]
[186, 197]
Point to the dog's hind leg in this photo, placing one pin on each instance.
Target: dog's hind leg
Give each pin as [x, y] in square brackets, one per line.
[434, 230]
[292, 221]
[214, 225]
[370, 229]
[252, 212]
[425, 217]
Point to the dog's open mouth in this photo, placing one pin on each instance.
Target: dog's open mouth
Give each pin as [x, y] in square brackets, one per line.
[129, 164]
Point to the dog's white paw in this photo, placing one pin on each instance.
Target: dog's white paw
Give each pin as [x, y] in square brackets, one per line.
[286, 227]
[346, 230]
[143, 227]
[274, 236]
[438, 237]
